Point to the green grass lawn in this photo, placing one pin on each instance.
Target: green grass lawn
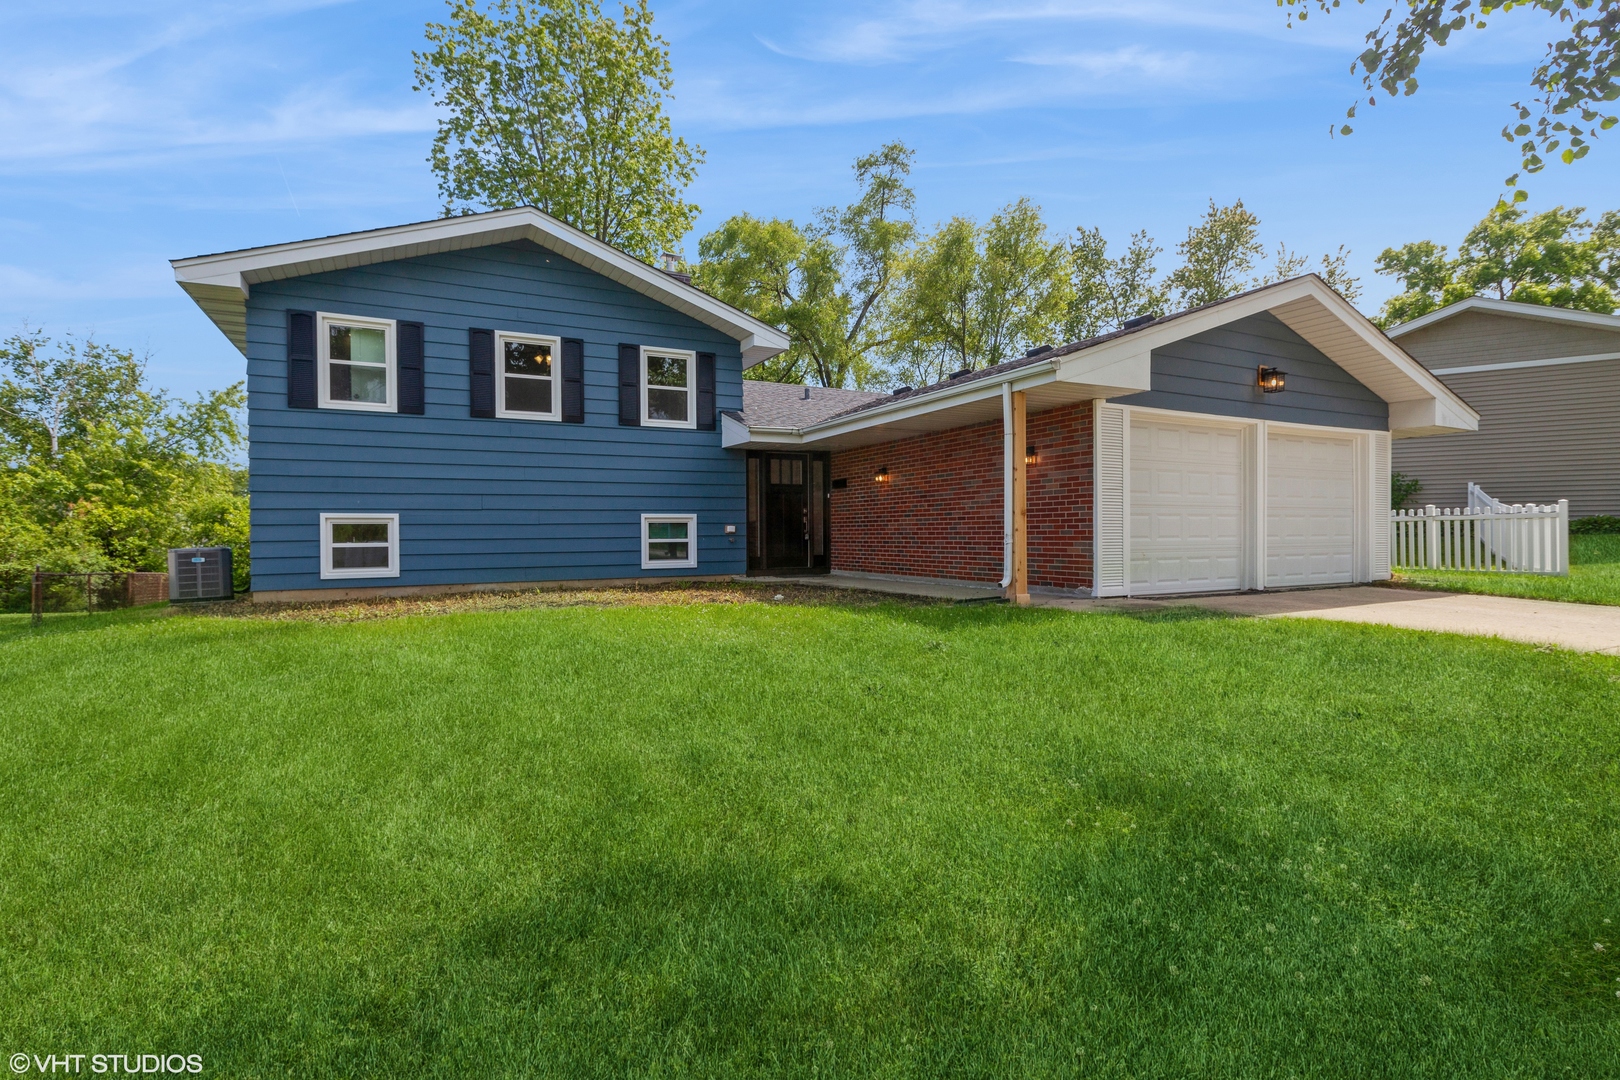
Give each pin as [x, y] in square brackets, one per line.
[1594, 576]
[757, 840]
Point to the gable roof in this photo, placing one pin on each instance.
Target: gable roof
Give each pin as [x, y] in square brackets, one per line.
[220, 283]
[1486, 305]
[1120, 363]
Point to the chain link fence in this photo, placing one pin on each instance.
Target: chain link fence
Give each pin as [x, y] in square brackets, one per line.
[47, 591]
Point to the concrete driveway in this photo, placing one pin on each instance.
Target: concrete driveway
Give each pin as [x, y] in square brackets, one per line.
[1582, 627]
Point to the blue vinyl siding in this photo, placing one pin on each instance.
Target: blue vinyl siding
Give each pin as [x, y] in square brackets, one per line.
[485, 500]
[1215, 373]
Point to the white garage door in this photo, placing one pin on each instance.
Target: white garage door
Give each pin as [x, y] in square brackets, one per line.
[1310, 510]
[1186, 507]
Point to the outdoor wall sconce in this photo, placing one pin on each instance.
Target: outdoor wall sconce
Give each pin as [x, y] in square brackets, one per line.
[1272, 380]
[1030, 456]
[882, 476]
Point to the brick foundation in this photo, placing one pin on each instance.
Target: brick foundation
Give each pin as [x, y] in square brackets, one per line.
[939, 514]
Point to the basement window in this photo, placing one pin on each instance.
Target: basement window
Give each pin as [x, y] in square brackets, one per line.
[668, 540]
[359, 545]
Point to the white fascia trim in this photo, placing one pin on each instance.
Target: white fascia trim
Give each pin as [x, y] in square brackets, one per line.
[735, 434]
[1507, 307]
[220, 283]
[1512, 365]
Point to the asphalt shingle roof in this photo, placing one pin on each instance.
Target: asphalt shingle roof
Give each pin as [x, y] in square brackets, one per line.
[790, 405]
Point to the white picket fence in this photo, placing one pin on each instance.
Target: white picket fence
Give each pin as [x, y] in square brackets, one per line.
[1486, 535]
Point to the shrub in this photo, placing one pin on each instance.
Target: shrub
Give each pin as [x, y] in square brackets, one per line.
[1597, 523]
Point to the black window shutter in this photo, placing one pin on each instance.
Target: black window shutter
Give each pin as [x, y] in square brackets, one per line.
[301, 360]
[705, 391]
[412, 358]
[630, 385]
[573, 381]
[481, 368]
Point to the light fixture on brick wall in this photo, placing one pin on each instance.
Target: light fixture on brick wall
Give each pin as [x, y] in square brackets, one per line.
[882, 476]
[1271, 380]
[1030, 456]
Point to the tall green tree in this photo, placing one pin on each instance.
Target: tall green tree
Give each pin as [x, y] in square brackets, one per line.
[1108, 291]
[1574, 84]
[972, 296]
[1218, 256]
[100, 472]
[827, 283]
[1556, 257]
[557, 106]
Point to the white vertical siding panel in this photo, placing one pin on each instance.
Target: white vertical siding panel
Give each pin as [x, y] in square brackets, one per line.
[1111, 470]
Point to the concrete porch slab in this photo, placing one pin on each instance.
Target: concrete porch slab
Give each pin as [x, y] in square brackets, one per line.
[932, 589]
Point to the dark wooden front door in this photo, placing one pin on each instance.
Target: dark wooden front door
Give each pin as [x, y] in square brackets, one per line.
[787, 512]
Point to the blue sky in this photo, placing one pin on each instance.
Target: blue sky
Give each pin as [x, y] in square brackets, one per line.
[132, 133]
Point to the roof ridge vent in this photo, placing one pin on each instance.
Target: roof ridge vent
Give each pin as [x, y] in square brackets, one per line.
[1038, 350]
[959, 374]
[1140, 320]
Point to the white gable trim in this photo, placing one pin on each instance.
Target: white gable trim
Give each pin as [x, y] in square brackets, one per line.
[1419, 403]
[1508, 307]
[1513, 365]
[220, 284]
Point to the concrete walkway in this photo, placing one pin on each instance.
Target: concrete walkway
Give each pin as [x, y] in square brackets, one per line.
[937, 590]
[1582, 627]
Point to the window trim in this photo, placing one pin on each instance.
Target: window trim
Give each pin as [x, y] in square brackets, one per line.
[501, 411]
[329, 572]
[323, 352]
[691, 560]
[690, 423]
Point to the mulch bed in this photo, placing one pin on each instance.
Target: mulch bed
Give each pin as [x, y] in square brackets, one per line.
[673, 593]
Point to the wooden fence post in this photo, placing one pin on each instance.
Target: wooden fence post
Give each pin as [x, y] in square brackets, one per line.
[37, 601]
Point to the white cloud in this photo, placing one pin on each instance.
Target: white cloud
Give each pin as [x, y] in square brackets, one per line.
[914, 28]
[172, 85]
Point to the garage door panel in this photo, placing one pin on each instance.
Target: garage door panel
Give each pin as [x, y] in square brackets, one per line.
[1310, 510]
[1186, 521]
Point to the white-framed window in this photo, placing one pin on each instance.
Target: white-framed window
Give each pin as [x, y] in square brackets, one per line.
[529, 383]
[359, 545]
[668, 540]
[668, 387]
[357, 363]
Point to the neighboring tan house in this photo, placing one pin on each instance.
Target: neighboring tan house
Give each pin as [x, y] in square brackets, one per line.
[1546, 384]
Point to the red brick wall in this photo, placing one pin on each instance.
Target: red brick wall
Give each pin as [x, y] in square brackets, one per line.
[939, 514]
[1059, 496]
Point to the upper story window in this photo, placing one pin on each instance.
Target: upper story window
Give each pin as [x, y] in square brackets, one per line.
[668, 386]
[528, 387]
[357, 358]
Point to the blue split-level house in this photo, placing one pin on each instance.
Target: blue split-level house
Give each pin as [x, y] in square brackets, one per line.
[499, 400]
[495, 398]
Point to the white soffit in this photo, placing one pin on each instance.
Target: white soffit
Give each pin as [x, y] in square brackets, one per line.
[220, 284]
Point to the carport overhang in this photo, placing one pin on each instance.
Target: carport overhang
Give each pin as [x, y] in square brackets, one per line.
[1120, 364]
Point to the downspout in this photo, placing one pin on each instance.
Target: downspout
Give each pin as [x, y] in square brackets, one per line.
[1006, 485]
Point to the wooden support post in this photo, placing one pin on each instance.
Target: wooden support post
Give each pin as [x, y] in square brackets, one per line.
[36, 600]
[1018, 588]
